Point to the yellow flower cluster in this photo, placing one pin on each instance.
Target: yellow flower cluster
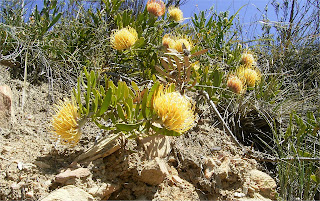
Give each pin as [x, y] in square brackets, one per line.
[123, 38]
[175, 110]
[247, 59]
[168, 42]
[249, 76]
[156, 7]
[176, 43]
[175, 13]
[235, 84]
[65, 122]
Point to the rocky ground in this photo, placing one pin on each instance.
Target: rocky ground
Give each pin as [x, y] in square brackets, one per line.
[201, 164]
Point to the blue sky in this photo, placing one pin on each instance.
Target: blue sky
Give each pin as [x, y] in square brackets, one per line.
[249, 16]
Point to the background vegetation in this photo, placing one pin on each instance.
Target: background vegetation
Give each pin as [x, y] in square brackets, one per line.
[279, 117]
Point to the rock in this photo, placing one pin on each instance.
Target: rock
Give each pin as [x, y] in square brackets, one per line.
[255, 197]
[16, 186]
[224, 169]
[69, 193]
[104, 191]
[263, 183]
[6, 109]
[41, 164]
[72, 174]
[239, 195]
[156, 146]
[154, 172]
[30, 194]
[210, 165]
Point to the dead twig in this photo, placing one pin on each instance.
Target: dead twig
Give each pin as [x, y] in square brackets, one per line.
[215, 110]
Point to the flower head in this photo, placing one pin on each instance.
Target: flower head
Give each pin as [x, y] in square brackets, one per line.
[168, 42]
[249, 76]
[247, 59]
[156, 7]
[124, 38]
[65, 122]
[235, 84]
[175, 110]
[175, 13]
[178, 45]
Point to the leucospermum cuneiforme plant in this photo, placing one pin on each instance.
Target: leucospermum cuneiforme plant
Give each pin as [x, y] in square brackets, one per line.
[123, 38]
[175, 14]
[65, 122]
[156, 7]
[176, 111]
[125, 109]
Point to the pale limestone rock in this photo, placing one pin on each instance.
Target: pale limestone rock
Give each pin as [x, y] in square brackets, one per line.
[69, 193]
[156, 146]
[263, 183]
[154, 172]
[71, 174]
[6, 108]
[104, 191]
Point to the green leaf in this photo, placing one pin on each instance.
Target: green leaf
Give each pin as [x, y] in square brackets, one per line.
[127, 127]
[128, 111]
[55, 19]
[134, 86]
[144, 104]
[103, 126]
[139, 43]
[106, 102]
[121, 112]
[164, 131]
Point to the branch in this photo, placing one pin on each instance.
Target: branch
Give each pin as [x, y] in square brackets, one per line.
[215, 110]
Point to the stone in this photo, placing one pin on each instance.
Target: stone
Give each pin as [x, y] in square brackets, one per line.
[6, 108]
[156, 146]
[154, 172]
[72, 174]
[210, 166]
[263, 183]
[41, 165]
[224, 169]
[104, 191]
[68, 193]
[30, 194]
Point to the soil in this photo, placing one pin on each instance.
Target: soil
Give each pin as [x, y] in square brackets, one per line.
[205, 162]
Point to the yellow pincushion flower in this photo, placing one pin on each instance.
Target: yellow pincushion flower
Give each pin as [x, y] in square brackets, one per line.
[175, 110]
[175, 13]
[65, 122]
[124, 38]
[249, 76]
[235, 84]
[168, 42]
[247, 59]
[178, 44]
[156, 7]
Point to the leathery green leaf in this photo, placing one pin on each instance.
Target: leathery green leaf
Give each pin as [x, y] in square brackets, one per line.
[121, 112]
[144, 104]
[164, 131]
[106, 102]
[134, 86]
[128, 111]
[127, 127]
